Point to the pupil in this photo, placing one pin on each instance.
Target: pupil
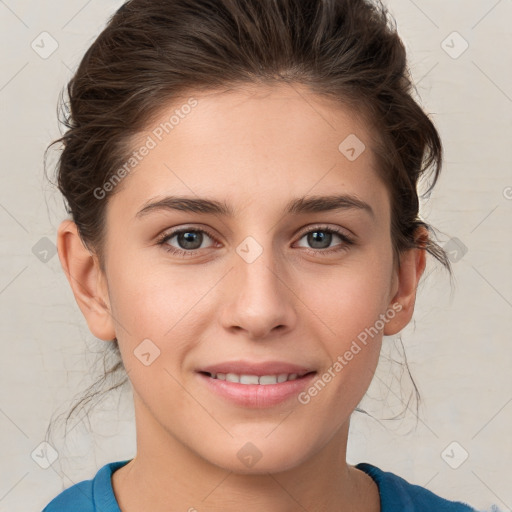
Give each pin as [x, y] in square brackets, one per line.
[319, 237]
[187, 241]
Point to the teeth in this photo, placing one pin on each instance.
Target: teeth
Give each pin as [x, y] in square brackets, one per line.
[254, 379]
[268, 379]
[249, 379]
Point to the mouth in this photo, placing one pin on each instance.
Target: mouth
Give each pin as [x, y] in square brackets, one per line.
[256, 385]
[261, 380]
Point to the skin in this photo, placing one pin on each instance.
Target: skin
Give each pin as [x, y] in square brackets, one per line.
[256, 148]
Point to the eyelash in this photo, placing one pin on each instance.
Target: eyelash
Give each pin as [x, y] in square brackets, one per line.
[347, 241]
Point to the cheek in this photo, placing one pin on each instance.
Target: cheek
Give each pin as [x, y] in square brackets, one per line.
[348, 299]
[162, 304]
[148, 299]
[348, 302]
[348, 312]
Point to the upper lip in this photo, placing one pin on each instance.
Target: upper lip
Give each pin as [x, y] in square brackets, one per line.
[256, 368]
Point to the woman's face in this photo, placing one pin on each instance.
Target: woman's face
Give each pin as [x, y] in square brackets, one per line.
[267, 290]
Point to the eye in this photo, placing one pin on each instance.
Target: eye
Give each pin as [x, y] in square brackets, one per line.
[321, 237]
[188, 240]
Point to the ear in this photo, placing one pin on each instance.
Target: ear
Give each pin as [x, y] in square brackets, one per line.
[405, 284]
[86, 279]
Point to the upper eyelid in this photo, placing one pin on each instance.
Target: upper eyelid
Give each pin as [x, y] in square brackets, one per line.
[325, 227]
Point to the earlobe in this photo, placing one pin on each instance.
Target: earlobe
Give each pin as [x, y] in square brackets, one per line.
[86, 280]
[412, 265]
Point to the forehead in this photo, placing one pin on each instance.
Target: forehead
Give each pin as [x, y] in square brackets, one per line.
[253, 144]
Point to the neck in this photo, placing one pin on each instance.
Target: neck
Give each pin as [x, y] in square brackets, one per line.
[165, 471]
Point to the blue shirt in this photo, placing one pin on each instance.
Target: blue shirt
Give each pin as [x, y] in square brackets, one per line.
[396, 494]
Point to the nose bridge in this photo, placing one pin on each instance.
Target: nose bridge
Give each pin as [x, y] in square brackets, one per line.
[259, 301]
[258, 275]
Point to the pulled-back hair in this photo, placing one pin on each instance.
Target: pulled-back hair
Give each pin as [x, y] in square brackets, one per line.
[153, 52]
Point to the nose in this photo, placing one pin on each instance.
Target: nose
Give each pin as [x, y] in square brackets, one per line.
[260, 299]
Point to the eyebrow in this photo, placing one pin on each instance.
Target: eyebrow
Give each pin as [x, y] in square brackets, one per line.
[311, 204]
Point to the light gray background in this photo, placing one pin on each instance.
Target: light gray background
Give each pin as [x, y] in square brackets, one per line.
[458, 345]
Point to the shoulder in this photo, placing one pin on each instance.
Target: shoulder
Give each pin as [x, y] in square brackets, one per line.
[79, 496]
[397, 494]
[89, 495]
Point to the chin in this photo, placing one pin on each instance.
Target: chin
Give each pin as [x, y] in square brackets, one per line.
[259, 455]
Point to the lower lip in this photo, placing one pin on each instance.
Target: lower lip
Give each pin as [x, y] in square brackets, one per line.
[257, 395]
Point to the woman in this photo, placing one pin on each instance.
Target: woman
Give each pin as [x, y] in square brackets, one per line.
[241, 176]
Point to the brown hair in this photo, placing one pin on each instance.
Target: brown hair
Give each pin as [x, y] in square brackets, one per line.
[153, 52]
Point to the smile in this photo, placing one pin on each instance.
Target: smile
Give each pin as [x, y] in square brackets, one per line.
[255, 379]
[256, 391]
